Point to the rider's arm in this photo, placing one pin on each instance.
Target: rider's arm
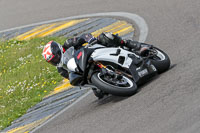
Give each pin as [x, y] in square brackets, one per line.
[63, 72]
[72, 76]
[77, 42]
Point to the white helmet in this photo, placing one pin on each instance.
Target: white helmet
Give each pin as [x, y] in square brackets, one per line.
[52, 52]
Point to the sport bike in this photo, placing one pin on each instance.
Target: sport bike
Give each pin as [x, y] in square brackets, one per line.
[114, 70]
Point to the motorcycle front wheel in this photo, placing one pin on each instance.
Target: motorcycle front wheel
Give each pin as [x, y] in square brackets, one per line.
[160, 60]
[119, 87]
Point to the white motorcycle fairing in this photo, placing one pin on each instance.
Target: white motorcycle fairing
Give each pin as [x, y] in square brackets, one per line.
[113, 55]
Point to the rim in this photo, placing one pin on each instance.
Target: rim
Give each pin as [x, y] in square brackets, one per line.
[124, 79]
[159, 55]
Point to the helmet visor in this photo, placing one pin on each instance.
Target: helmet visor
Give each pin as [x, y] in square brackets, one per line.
[55, 60]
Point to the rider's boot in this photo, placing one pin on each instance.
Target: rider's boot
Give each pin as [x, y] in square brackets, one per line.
[98, 93]
[133, 45]
[141, 48]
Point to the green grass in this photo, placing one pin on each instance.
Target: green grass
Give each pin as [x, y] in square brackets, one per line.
[25, 77]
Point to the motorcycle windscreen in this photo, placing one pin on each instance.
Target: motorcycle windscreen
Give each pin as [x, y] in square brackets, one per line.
[82, 56]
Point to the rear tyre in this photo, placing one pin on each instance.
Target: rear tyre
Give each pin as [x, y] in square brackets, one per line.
[124, 87]
[160, 60]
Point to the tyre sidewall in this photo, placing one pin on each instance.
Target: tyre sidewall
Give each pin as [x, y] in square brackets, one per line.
[111, 89]
[163, 65]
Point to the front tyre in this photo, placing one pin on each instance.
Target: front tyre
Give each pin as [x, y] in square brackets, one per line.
[160, 60]
[122, 87]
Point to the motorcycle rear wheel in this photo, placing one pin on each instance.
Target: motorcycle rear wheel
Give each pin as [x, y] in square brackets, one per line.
[114, 89]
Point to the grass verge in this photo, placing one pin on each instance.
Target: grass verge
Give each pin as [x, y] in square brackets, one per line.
[25, 77]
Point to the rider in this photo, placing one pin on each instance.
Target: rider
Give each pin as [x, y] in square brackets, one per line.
[53, 51]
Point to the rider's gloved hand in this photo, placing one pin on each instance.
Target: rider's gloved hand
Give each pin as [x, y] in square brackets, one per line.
[76, 42]
[88, 37]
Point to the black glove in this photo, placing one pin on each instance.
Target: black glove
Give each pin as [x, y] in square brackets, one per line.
[88, 37]
[77, 42]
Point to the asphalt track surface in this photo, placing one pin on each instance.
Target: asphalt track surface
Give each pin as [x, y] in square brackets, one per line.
[168, 104]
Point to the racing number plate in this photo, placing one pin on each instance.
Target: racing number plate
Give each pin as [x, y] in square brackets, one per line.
[143, 73]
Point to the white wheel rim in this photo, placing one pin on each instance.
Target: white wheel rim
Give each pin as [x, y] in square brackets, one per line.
[127, 79]
[160, 55]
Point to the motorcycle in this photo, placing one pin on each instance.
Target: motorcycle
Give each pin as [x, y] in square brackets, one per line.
[114, 70]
